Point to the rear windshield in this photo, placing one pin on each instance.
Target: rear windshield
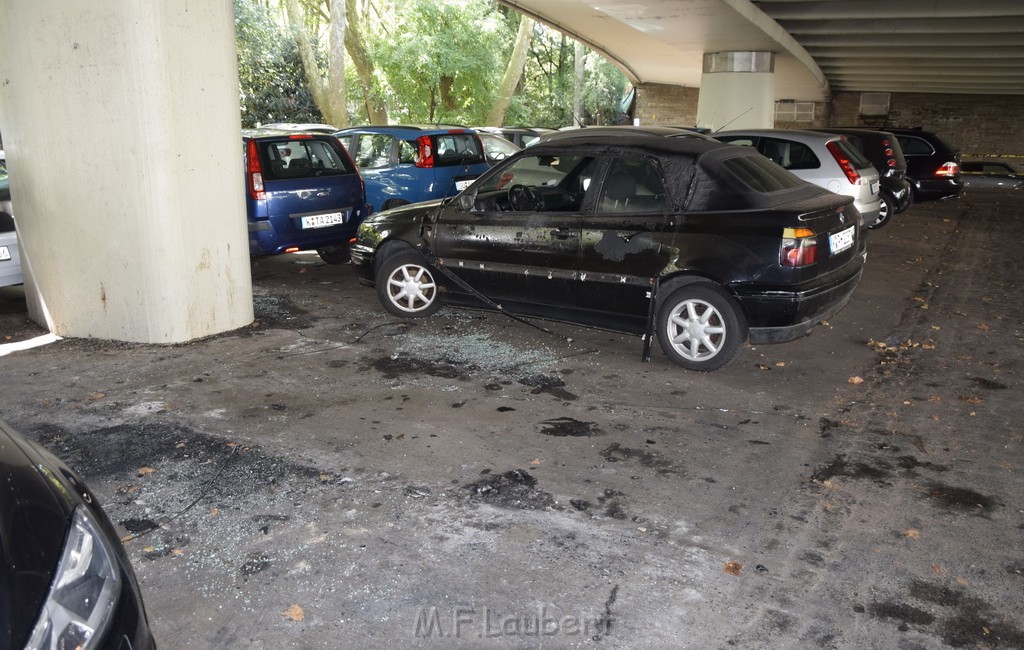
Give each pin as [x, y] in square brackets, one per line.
[760, 174]
[855, 156]
[301, 158]
[457, 149]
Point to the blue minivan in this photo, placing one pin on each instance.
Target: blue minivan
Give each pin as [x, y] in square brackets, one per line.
[409, 164]
[303, 192]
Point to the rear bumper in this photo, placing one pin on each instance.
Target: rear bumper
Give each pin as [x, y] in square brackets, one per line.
[934, 189]
[264, 239]
[779, 316]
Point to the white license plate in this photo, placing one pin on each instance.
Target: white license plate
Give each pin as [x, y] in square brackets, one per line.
[842, 240]
[5, 254]
[461, 185]
[323, 220]
[874, 189]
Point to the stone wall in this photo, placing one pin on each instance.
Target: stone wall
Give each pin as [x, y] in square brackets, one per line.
[666, 104]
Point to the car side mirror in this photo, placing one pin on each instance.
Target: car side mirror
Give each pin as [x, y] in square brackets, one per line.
[466, 201]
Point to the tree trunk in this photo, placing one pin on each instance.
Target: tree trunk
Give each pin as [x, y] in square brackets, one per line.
[328, 98]
[577, 85]
[376, 109]
[336, 67]
[513, 72]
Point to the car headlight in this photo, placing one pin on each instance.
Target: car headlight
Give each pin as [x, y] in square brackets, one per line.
[84, 592]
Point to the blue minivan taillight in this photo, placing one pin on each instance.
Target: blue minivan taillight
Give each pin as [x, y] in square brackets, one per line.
[254, 173]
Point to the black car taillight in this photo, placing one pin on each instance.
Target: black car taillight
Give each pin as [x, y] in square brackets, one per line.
[254, 172]
[799, 247]
[949, 169]
[844, 163]
[425, 151]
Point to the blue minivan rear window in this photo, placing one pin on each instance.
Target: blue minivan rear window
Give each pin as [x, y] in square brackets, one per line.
[297, 158]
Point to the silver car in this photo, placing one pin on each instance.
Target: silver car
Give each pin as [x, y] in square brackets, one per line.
[10, 258]
[824, 159]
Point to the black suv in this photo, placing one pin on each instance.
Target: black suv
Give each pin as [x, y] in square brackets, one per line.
[883, 150]
[933, 166]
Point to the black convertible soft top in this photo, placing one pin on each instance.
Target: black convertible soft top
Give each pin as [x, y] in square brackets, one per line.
[701, 175]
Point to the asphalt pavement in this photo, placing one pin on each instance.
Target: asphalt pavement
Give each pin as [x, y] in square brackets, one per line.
[332, 477]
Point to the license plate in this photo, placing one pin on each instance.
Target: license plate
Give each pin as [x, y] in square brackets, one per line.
[5, 254]
[323, 220]
[461, 185]
[842, 240]
[874, 189]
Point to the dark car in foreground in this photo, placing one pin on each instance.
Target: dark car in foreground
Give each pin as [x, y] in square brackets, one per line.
[991, 175]
[707, 244]
[885, 153]
[303, 192]
[933, 165]
[65, 581]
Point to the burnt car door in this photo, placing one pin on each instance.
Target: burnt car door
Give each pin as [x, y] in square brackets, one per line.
[622, 247]
[515, 236]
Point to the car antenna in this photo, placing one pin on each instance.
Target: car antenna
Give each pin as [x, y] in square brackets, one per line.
[733, 119]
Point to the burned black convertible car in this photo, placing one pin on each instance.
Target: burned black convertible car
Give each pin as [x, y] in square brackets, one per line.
[65, 581]
[706, 243]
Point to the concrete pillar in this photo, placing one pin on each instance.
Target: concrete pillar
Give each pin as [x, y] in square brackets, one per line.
[737, 91]
[121, 123]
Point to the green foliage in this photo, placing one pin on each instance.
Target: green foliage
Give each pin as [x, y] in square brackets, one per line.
[272, 84]
[434, 60]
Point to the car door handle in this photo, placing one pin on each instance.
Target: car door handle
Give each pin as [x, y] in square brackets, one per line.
[565, 233]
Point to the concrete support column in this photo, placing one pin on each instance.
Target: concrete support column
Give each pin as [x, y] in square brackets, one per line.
[737, 91]
[121, 125]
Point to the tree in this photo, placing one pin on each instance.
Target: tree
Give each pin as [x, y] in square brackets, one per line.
[327, 86]
[513, 72]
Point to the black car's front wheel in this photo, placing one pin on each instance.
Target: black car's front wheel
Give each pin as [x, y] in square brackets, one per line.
[406, 285]
[700, 327]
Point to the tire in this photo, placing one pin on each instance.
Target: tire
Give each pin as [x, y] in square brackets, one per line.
[700, 327]
[335, 254]
[406, 285]
[885, 213]
[393, 203]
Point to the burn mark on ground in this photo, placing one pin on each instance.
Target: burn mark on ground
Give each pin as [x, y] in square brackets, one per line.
[827, 425]
[548, 384]
[515, 489]
[841, 466]
[615, 453]
[257, 562]
[139, 526]
[279, 312]
[902, 613]
[568, 427]
[989, 384]
[973, 623]
[395, 368]
[960, 499]
[910, 463]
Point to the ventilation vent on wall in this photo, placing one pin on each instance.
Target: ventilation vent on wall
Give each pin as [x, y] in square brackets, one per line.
[874, 104]
[791, 111]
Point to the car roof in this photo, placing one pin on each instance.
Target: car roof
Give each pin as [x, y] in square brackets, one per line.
[424, 129]
[798, 135]
[623, 131]
[280, 133]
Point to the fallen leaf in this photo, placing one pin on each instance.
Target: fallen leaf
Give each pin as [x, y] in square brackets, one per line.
[983, 327]
[149, 549]
[918, 299]
[232, 444]
[961, 581]
[855, 380]
[180, 445]
[912, 533]
[971, 399]
[536, 461]
[780, 364]
[936, 327]
[294, 613]
[95, 396]
[214, 512]
[177, 551]
[762, 366]
[733, 567]
[325, 477]
[143, 471]
[126, 539]
[302, 270]
[938, 569]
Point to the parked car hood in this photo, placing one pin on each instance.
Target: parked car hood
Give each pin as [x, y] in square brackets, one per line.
[35, 509]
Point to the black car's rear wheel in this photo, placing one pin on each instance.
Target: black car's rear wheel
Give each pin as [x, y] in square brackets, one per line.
[406, 285]
[886, 211]
[700, 327]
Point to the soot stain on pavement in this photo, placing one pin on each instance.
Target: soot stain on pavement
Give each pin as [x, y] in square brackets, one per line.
[989, 384]
[960, 499]
[395, 368]
[904, 614]
[973, 622]
[615, 453]
[280, 312]
[841, 466]
[548, 384]
[569, 427]
[516, 489]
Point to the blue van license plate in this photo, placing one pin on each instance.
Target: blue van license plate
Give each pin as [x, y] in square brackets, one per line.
[323, 220]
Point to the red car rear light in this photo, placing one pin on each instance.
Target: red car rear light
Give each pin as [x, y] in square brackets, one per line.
[948, 169]
[844, 163]
[799, 247]
[300, 136]
[426, 152]
[254, 173]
